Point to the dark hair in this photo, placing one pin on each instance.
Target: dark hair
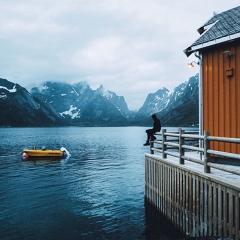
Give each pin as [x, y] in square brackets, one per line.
[154, 116]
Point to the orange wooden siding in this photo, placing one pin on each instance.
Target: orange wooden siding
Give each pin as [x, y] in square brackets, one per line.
[221, 94]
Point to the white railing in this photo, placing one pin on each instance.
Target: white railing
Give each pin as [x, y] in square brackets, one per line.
[176, 144]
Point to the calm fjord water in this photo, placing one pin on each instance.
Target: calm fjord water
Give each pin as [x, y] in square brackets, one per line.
[96, 193]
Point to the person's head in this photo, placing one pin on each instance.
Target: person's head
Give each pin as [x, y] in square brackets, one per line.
[154, 116]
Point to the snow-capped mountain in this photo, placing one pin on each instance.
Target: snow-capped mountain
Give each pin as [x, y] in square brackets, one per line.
[179, 108]
[154, 103]
[55, 103]
[182, 109]
[184, 92]
[79, 104]
[117, 101]
[19, 108]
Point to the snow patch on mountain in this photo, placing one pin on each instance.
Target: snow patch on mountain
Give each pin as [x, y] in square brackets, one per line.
[42, 87]
[9, 90]
[73, 112]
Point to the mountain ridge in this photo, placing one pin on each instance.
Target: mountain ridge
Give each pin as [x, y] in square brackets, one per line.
[57, 104]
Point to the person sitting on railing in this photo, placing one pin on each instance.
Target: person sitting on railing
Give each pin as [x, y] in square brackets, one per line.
[150, 132]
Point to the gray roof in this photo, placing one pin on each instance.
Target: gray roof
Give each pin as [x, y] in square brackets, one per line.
[220, 28]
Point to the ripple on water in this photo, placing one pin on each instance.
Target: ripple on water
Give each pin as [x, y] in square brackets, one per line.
[96, 193]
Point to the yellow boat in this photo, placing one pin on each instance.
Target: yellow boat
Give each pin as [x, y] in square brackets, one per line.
[42, 153]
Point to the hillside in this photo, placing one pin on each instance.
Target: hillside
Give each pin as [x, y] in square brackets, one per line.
[58, 104]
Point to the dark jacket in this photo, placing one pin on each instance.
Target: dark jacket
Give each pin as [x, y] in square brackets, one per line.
[156, 125]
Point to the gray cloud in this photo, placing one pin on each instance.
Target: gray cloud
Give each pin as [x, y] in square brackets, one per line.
[131, 47]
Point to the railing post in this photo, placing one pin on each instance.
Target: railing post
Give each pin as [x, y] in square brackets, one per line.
[181, 142]
[164, 147]
[206, 154]
[151, 146]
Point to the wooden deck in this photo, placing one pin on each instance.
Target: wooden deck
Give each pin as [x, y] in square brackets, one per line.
[197, 203]
[219, 175]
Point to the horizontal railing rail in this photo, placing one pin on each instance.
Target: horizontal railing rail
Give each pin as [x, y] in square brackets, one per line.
[176, 144]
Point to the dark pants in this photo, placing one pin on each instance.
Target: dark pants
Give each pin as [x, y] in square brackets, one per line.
[150, 133]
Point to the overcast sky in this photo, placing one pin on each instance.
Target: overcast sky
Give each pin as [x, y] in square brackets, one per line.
[131, 47]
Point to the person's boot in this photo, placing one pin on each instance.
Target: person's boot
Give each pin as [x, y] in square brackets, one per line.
[146, 143]
[153, 138]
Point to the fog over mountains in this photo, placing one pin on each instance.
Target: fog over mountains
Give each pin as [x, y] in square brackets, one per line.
[63, 104]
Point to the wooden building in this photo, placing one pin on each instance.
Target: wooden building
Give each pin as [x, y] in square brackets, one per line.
[218, 50]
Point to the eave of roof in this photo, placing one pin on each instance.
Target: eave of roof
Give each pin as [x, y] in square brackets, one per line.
[229, 38]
